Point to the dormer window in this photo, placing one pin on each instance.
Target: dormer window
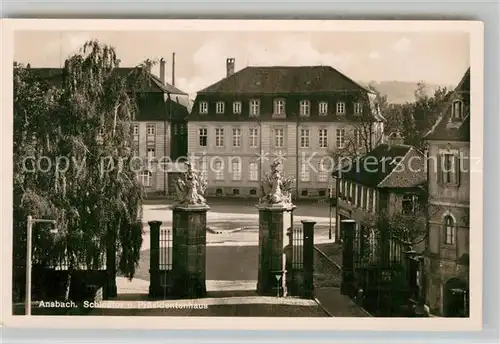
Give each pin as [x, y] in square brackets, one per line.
[204, 107]
[219, 107]
[254, 107]
[340, 108]
[358, 109]
[305, 108]
[237, 108]
[279, 107]
[457, 110]
[323, 108]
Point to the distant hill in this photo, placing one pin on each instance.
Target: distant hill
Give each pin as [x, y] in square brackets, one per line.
[400, 92]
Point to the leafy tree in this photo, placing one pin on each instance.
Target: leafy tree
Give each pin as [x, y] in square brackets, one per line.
[79, 128]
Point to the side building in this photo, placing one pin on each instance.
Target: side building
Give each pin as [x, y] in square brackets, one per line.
[384, 191]
[159, 128]
[447, 256]
[296, 114]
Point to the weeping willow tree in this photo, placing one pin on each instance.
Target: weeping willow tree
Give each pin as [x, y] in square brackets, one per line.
[73, 162]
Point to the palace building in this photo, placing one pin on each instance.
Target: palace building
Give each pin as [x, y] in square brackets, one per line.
[252, 116]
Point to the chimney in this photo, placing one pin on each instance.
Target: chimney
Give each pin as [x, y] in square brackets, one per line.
[162, 70]
[230, 66]
[173, 69]
[395, 138]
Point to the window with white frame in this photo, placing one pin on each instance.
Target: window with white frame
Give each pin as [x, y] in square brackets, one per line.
[323, 108]
[279, 107]
[236, 169]
[150, 131]
[340, 138]
[323, 138]
[449, 169]
[145, 178]
[203, 137]
[358, 108]
[151, 151]
[219, 137]
[236, 137]
[304, 171]
[254, 107]
[340, 108]
[305, 108]
[323, 168]
[253, 137]
[253, 170]
[219, 169]
[304, 138]
[358, 138]
[279, 136]
[219, 107]
[135, 131]
[203, 107]
[449, 230]
[237, 108]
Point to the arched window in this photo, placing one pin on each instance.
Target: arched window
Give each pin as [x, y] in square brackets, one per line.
[145, 178]
[450, 230]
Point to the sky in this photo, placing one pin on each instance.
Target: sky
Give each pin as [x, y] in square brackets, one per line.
[433, 57]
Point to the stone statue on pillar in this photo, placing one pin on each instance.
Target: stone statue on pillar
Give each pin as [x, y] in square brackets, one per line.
[276, 189]
[190, 188]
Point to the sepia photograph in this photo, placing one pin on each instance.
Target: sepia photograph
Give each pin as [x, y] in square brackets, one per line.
[244, 171]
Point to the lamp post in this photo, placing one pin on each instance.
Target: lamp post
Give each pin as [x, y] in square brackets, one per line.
[29, 249]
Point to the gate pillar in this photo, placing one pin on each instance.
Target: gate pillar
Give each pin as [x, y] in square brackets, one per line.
[154, 259]
[274, 222]
[308, 258]
[189, 250]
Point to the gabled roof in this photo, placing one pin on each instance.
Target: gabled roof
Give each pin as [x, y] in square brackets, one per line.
[388, 166]
[285, 79]
[155, 86]
[458, 131]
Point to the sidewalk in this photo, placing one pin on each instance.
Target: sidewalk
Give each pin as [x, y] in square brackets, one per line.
[327, 278]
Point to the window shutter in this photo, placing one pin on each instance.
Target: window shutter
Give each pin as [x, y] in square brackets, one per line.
[438, 169]
[457, 169]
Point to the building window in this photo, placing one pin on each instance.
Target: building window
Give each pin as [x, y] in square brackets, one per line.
[151, 153]
[323, 138]
[305, 108]
[358, 108]
[219, 170]
[150, 131]
[449, 169]
[145, 178]
[253, 192]
[254, 107]
[253, 137]
[237, 107]
[236, 192]
[135, 131]
[409, 204]
[304, 138]
[236, 169]
[279, 107]
[340, 108]
[340, 138]
[253, 171]
[203, 137]
[279, 134]
[322, 193]
[236, 137]
[358, 138]
[304, 193]
[204, 168]
[219, 137]
[203, 107]
[457, 110]
[304, 171]
[450, 230]
[219, 107]
[323, 169]
[323, 108]
[218, 192]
